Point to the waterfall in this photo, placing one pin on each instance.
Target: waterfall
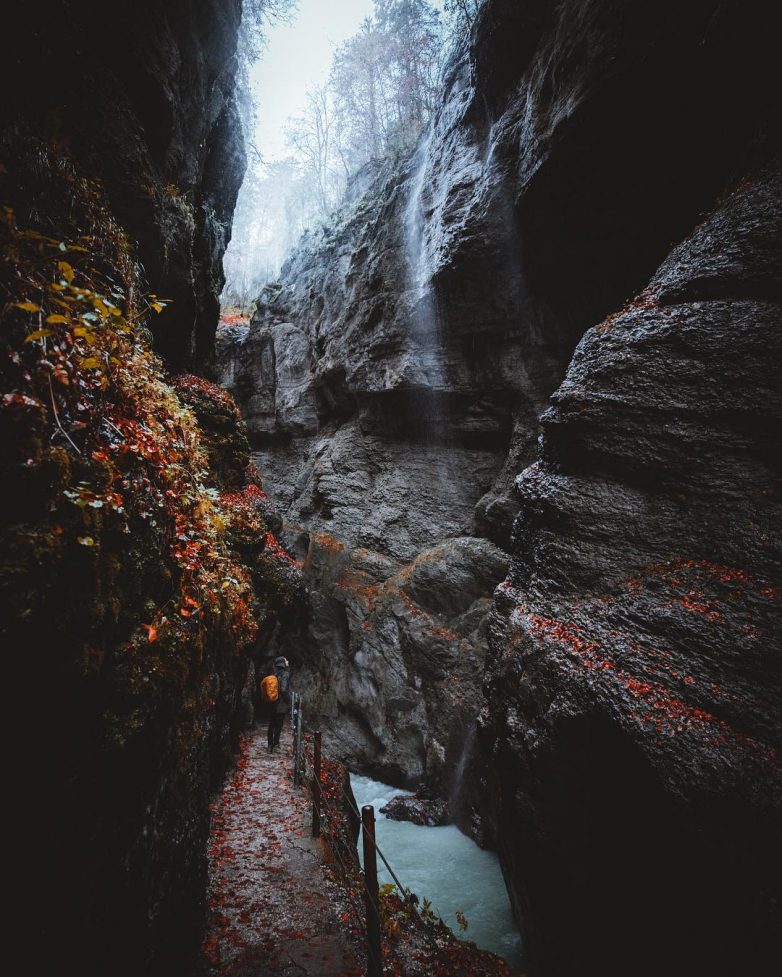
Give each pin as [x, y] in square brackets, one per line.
[418, 277]
[425, 323]
[454, 796]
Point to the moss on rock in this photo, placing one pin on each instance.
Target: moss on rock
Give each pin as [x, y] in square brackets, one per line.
[127, 607]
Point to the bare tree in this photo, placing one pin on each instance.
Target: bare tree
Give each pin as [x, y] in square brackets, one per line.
[310, 135]
[463, 12]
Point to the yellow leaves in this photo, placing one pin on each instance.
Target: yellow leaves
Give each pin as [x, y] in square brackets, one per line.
[100, 306]
[55, 318]
[38, 334]
[37, 236]
[157, 304]
[66, 271]
[27, 306]
[86, 540]
[82, 332]
[91, 363]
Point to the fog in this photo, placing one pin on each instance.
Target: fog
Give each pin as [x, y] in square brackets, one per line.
[324, 89]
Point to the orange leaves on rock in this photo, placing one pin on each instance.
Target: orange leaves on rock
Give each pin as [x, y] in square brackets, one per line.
[66, 271]
[152, 632]
[189, 607]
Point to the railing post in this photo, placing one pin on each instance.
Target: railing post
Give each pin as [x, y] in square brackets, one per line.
[297, 746]
[316, 788]
[371, 894]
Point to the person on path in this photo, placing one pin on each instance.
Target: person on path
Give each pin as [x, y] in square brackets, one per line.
[282, 706]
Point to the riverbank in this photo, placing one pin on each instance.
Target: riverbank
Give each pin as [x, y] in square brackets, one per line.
[282, 903]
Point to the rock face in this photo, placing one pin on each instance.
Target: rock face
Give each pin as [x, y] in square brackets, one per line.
[385, 445]
[635, 682]
[633, 687]
[118, 140]
[419, 809]
[392, 385]
[142, 96]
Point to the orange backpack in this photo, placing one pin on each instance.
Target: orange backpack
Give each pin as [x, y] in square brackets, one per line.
[270, 689]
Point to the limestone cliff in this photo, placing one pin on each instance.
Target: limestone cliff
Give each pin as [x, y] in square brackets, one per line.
[130, 513]
[142, 95]
[399, 370]
[634, 684]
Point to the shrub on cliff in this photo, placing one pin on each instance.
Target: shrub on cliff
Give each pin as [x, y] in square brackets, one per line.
[126, 601]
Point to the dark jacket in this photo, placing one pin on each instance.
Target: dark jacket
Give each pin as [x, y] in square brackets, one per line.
[283, 704]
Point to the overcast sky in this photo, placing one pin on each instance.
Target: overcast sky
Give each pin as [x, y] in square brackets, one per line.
[298, 56]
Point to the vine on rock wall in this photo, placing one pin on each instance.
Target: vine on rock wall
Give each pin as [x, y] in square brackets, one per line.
[132, 526]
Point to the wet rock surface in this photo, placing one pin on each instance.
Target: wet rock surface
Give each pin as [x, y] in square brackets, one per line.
[150, 111]
[628, 733]
[119, 136]
[390, 662]
[635, 643]
[419, 809]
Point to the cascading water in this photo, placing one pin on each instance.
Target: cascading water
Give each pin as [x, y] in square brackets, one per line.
[454, 797]
[430, 368]
[424, 316]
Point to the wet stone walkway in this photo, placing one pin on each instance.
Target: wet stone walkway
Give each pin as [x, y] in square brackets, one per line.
[273, 910]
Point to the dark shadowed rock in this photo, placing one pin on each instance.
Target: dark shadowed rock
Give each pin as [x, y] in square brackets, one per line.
[419, 809]
[635, 679]
[118, 122]
[627, 762]
[142, 96]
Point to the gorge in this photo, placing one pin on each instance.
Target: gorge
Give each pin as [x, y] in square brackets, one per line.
[504, 489]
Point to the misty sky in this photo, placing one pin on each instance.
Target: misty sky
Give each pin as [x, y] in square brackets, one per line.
[296, 57]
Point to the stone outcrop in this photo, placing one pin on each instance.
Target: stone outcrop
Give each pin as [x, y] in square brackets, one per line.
[636, 640]
[632, 698]
[394, 490]
[142, 96]
[418, 808]
[393, 382]
[121, 159]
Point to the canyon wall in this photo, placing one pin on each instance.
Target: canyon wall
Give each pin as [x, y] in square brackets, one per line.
[142, 95]
[393, 383]
[130, 514]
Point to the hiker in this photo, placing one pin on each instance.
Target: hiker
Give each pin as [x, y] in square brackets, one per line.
[275, 692]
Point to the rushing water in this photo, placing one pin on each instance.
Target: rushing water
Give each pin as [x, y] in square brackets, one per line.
[446, 867]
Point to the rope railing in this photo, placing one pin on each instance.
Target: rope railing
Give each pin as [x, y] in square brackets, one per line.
[370, 921]
[403, 891]
[344, 851]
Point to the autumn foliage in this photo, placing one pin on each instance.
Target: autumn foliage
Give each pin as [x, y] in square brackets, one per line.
[123, 450]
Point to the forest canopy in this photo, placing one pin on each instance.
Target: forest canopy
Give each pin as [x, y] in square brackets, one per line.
[378, 97]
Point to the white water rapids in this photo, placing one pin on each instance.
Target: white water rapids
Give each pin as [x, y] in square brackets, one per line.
[446, 867]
